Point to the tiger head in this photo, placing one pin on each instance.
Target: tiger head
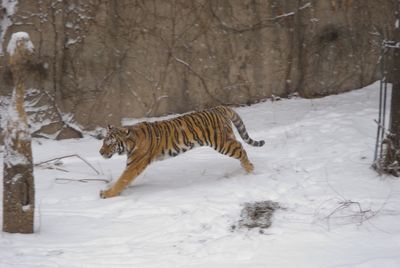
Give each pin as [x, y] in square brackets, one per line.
[114, 141]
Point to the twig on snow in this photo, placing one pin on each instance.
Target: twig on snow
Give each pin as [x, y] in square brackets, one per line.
[67, 156]
[362, 214]
[66, 180]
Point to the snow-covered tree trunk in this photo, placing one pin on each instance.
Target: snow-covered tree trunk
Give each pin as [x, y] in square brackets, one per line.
[18, 180]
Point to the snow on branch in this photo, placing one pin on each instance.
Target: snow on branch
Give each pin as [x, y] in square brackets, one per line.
[19, 39]
[17, 130]
[8, 10]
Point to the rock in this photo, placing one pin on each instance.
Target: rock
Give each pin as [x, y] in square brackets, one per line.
[105, 60]
[68, 132]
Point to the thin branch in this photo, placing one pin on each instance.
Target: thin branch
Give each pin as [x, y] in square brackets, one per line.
[344, 203]
[263, 23]
[80, 180]
[363, 215]
[202, 80]
[68, 156]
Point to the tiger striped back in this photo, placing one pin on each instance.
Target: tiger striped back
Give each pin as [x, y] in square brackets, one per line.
[149, 141]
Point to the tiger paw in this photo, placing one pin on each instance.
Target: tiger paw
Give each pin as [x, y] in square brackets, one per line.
[106, 194]
[249, 167]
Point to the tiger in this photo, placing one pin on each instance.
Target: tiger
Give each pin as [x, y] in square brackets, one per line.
[146, 142]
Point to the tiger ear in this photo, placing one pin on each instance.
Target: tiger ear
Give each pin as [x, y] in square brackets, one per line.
[110, 127]
[127, 131]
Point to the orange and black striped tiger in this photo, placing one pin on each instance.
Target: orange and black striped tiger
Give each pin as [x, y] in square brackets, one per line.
[148, 141]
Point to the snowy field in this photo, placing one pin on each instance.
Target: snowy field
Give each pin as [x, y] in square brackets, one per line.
[180, 211]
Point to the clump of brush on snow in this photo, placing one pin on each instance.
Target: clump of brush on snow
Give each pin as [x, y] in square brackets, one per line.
[258, 214]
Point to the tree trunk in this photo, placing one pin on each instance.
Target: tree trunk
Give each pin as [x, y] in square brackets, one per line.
[395, 77]
[395, 102]
[18, 191]
[392, 153]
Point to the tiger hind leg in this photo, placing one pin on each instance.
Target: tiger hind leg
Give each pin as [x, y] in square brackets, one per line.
[234, 149]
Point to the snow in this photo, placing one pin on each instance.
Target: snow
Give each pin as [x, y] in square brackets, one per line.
[17, 38]
[71, 41]
[5, 22]
[179, 212]
[17, 130]
[26, 208]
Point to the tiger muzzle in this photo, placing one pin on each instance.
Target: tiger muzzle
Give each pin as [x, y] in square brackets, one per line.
[105, 154]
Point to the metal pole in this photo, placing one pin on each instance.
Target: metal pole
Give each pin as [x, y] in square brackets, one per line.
[377, 142]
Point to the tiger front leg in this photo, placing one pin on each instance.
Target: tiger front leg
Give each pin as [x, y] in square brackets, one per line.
[130, 173]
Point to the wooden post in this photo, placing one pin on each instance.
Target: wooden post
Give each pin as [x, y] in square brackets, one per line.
[18, 180]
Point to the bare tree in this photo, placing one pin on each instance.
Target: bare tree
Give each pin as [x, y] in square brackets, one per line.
[18, 195]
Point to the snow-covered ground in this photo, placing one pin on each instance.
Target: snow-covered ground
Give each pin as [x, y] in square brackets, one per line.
[180, 211]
